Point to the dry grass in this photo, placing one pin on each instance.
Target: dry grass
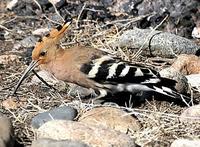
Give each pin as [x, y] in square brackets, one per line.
[159, 119]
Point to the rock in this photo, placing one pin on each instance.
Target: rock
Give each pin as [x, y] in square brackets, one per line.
[54, 143]
[29, 41]
[191, 114]
[185, 143]
[58, 3]
[40, 32]
[112, 118]
[10, 103]
[187, 64]
[6, 59]
[81, 92]
[43, 2]
[118, 7]
[2, 144]
[161, 43]
[193, 80]
[180, 10]
[182, 85]
[11, 4]
[196, 32]
[27, 55]
[50, 79]
[89, 134]
[6, 132]
[60, 113]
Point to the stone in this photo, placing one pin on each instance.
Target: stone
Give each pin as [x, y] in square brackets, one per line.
[11, 4]
[163, 44]
[81, 92]
[191, 114]
[182, 85]
[185, 143]
[112, 118]
[60, 113]
[193, 80]
[196, 32]
[40, 32]
[58, 3]
[187, 64]
[89, 134]
[10, 103]
[28, 42]
[6, 132]
[55, 143]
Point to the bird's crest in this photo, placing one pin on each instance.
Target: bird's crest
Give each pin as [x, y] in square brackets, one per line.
[55, 34]
[51, 40]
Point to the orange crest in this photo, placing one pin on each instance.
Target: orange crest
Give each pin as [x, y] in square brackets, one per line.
[50, 40]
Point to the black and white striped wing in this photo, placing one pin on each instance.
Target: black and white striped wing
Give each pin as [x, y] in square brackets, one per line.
[108, 69]
[121, 76]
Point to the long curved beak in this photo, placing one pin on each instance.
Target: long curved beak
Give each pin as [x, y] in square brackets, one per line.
[32, 65]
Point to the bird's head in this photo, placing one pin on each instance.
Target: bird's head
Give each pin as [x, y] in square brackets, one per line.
[46, 46]
[44, 49]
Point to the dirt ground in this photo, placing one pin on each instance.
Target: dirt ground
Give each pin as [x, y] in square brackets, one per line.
[160, 120]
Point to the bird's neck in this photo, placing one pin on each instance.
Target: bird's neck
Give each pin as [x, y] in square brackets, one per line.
[60, 51]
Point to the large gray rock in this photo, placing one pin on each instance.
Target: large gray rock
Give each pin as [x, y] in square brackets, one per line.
[156, 43]
[89, 134]
[112, 118]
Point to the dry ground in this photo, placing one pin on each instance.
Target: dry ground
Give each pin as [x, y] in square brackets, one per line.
[159, 119]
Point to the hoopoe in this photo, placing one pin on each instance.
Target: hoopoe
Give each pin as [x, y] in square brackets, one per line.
[96, 69]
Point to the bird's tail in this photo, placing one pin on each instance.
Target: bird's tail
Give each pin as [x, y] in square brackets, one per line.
[174, 96]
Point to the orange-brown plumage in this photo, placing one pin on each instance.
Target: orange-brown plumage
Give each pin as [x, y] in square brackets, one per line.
[66, 63]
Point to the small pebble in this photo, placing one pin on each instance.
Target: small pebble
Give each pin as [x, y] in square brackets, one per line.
[193, 80]
[60, 113]
[58, 3]
[11, 4]
[191, 114]
[40, 32]
[29, 41]
[185, 143]
[196, 32]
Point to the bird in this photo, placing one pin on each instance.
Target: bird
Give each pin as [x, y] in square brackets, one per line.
[92, 68]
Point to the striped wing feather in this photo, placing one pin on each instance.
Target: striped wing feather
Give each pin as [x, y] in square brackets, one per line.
[122, 76]
[113, 70]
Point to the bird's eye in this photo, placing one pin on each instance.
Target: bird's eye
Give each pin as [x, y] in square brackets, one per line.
[43, 53]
